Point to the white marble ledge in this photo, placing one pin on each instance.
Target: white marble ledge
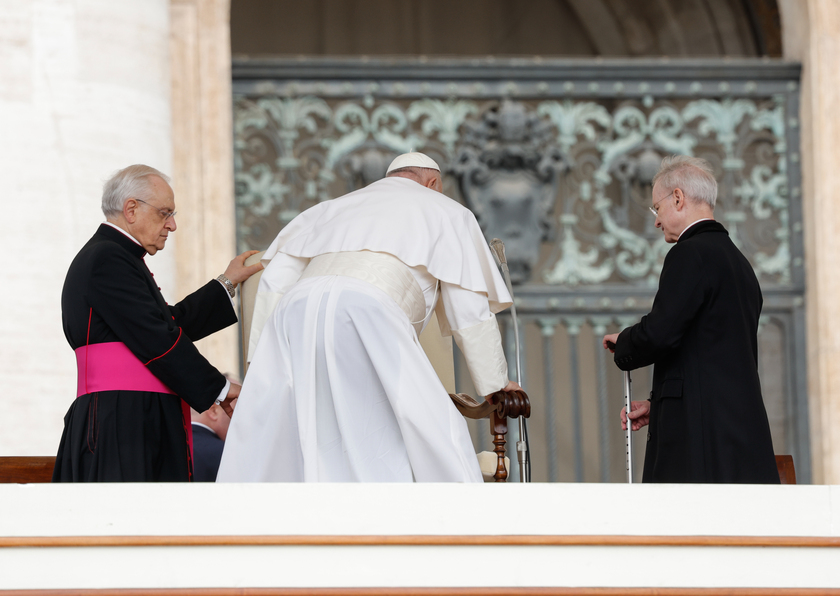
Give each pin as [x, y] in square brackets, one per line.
[418, 510]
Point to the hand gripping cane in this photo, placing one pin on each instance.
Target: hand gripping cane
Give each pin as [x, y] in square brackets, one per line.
[497, 247]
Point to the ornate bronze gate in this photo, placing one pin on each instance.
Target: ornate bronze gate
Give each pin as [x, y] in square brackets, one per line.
[554, 157]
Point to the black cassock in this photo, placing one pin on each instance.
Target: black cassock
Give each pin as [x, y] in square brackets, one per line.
[707, 419]
[134, 436]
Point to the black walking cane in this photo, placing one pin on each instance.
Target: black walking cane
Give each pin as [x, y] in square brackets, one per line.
[497, 247]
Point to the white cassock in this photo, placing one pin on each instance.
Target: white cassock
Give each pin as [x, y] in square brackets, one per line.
[339, 388]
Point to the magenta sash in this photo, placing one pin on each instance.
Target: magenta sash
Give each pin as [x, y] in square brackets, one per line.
[112, 367]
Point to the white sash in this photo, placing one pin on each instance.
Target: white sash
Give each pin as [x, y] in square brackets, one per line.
[379, 269]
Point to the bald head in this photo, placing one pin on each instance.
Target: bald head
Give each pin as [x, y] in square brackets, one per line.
[213, 418]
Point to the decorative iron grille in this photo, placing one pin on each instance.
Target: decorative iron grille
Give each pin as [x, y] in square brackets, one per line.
[555, 158]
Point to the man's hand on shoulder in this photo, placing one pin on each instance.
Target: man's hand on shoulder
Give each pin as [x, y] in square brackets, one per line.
[237, 271]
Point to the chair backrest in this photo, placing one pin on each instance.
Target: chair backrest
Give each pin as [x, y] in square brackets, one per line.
[247, 297]
[437, 348]
[26, 470]
[501, 406]
[787, 474]
[439, 351]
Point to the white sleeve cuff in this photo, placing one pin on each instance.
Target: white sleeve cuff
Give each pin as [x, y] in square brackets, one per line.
[481, 345]
[224, 393]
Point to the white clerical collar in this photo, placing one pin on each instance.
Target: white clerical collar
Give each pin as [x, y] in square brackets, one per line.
[124, 233]
[694, 223]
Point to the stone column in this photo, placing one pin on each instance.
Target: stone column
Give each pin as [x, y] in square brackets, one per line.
[84, 91]
[811, 35]
[202, 144]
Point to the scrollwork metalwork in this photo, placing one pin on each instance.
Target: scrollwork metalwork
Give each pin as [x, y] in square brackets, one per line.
[557, 160]
[565, 181]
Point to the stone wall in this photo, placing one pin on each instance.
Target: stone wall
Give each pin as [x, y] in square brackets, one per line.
[202, 144]
[85, 91]
[812, 36]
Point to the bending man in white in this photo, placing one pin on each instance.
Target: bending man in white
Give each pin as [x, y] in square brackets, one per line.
[339, 388]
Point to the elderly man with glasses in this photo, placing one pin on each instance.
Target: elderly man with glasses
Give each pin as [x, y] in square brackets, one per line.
[706, 416]
[138, 370]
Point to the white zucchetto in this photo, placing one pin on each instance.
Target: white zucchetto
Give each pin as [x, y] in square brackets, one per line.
[412, 160]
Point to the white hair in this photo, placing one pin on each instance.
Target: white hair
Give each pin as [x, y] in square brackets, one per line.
[691, 174]
[130, 182]
[417, 172]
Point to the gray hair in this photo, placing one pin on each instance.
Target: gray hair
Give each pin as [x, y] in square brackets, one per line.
[691, 174]
[130, 182]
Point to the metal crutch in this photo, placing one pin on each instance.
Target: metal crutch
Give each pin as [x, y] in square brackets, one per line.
[629, 432]
[497, 247]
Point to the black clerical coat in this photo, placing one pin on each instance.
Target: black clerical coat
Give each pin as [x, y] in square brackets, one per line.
[110, 296]
[707, 419]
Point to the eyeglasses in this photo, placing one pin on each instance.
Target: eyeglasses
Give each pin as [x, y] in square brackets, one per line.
[655, 208]
[166, 214]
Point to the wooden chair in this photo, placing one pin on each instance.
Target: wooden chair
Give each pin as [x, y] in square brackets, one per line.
[26, 470]
[501, 406]
[440, 353]
[787, 474]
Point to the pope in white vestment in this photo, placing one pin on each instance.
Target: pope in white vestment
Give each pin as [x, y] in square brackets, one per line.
[339, 388]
